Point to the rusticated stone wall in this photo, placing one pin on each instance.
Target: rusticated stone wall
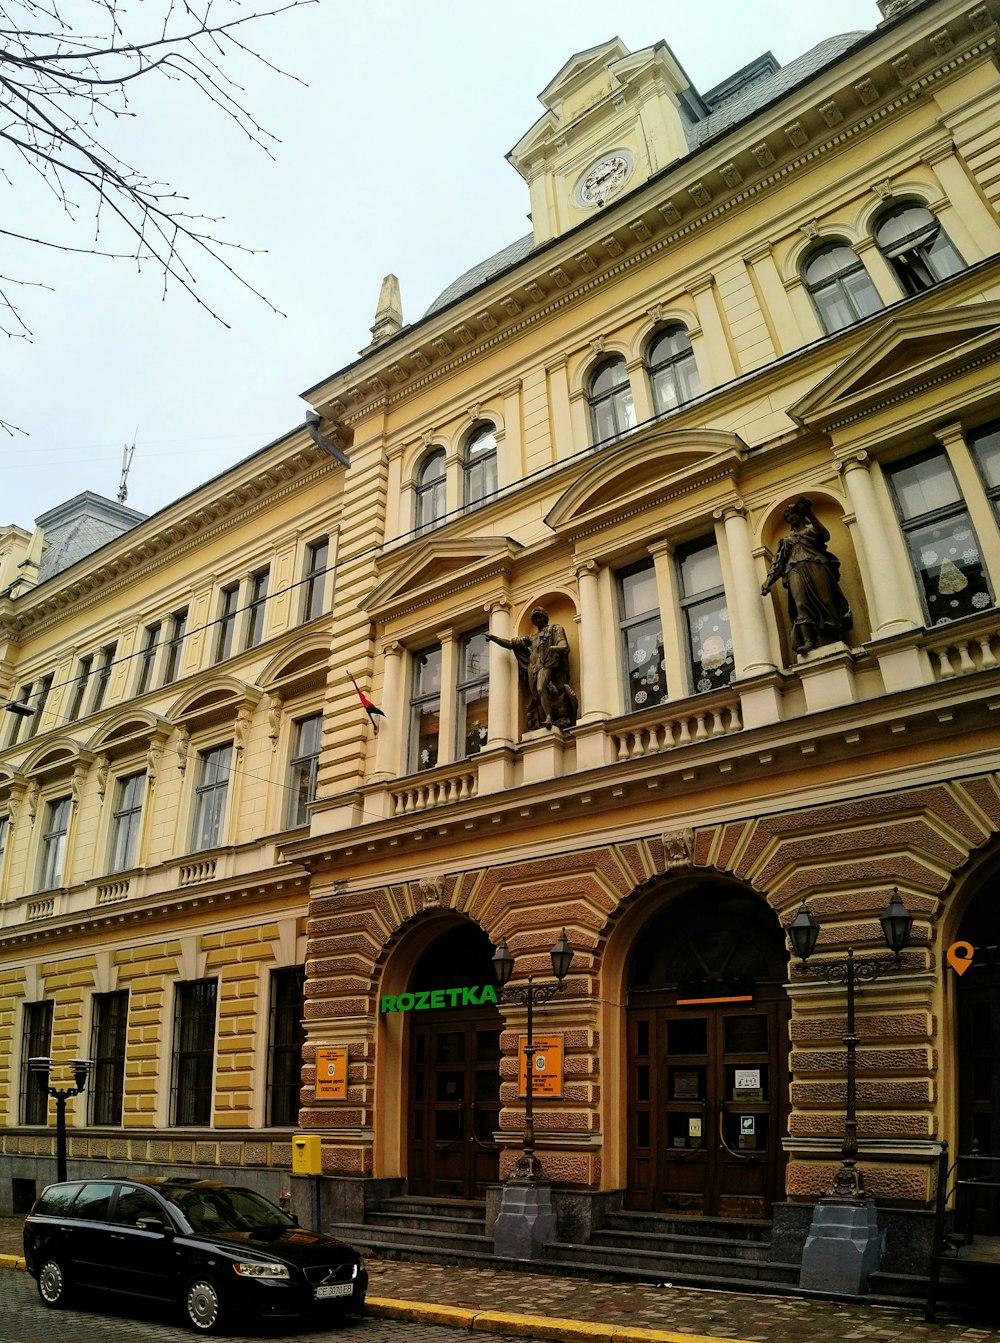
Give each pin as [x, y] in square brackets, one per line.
[844, 858]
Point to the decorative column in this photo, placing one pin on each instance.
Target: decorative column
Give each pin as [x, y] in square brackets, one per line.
[390, 727]
[594, 699]
[668, 596]
[501, 662]
[753, 650]
[562, 423]
[892, 611]
[786, 332]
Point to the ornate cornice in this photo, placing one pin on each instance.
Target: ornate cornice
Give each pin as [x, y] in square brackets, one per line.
[665, 212]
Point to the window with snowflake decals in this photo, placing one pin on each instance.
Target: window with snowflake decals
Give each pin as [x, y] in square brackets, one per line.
[985, 445]
[641, 637]
[706, 616]
[944, 549]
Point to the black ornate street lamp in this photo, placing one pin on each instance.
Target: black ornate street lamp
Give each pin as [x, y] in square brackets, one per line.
[81, 1070]
[897, 922]
[528, 1166]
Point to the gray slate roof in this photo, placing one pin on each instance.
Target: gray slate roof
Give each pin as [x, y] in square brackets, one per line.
[80, 526]
[744, 102]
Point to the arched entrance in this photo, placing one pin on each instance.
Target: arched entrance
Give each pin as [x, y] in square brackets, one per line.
[454, 1068]
[708, 1057]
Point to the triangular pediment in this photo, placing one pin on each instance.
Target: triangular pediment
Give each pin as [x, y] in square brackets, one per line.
[436, 567]
[906, 352]
[654, 466]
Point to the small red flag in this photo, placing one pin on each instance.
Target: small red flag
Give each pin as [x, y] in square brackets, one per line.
[372, 710]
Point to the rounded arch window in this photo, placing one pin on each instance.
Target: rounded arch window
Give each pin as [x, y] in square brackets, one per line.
[671, 367]
[911, 239]
[479, 465]
[612, 411]
[430, 491]
[839, 286]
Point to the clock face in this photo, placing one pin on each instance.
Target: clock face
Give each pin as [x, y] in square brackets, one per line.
[605, 179]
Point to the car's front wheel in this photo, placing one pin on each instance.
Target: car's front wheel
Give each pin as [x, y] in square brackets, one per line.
[53, 1287]
[203, 1305]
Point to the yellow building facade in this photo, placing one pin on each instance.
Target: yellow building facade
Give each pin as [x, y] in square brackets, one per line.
[784, 288]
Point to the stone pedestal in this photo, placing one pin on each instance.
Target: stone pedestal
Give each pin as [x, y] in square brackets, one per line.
[843, 1248]
[526, 1221]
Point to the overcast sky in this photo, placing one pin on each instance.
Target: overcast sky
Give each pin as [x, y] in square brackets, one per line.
[391, 158]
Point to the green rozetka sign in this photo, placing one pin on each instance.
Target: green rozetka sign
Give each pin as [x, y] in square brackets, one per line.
[427, 1000]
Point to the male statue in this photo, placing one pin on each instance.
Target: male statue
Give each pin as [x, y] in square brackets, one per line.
[543, 664]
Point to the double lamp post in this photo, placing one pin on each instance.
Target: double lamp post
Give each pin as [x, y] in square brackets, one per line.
[41, 1068]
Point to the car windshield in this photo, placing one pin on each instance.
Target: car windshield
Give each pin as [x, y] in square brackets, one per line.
[218, 1210]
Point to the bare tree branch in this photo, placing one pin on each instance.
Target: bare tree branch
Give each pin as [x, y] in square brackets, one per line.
[65, 74]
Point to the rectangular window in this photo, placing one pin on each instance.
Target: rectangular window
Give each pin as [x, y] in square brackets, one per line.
[18, 721]
[229, 604]
[284, 1054]
[147, 658]
[214, 767]
[985, 446]
[194, 1052]
[40, 696]
[79, 688]
[108, 1034]
[36, 1043]
[175, 646]
[425, 708]
[54, 843]
[314, 587]
[105, 664]
[706, 616]
[303, 768]
[641, 637]
[258, 607]
[473, 693]
[125, 823]
[944, 548]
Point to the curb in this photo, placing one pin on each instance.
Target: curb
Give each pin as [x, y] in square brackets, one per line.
[11, 1261]
[528, 1326]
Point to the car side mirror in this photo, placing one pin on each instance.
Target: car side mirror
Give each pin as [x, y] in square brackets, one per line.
[152, 1223]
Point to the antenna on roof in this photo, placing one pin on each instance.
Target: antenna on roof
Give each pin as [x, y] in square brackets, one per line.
[127, 453]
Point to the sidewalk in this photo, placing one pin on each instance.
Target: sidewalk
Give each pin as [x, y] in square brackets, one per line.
[546, 1307]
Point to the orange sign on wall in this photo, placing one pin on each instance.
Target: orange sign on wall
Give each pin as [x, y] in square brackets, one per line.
[331, 1073]
[547, 1076]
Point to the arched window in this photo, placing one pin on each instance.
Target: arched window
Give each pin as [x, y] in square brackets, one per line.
[916, 246]
[673, 373]
[840, 287]
[479, 465]
[612, 413]
[430, 492]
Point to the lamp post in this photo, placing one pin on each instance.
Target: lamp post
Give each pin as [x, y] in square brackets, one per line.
[526, 1220]
[823, 1268]
[81, 1070]
[528, 1166]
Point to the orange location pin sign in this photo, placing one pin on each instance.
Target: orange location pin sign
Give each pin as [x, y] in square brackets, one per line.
[959, 956]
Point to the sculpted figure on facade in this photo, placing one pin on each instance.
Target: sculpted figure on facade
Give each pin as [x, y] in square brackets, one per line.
[543, 663]
[817, 607]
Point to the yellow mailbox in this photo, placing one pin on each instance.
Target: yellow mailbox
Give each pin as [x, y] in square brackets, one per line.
[307, 1154]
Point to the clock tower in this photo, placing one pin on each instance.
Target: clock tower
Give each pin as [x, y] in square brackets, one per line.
[613, 118]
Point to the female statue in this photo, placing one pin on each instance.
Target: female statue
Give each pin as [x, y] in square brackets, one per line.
[819, 611]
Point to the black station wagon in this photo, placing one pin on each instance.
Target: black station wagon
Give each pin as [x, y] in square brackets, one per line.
[216, 1250]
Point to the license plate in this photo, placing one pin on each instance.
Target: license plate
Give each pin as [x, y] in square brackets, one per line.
[337, 1289]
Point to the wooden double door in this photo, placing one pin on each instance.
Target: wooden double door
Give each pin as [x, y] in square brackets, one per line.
[454, 1108]
[707, 1108]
